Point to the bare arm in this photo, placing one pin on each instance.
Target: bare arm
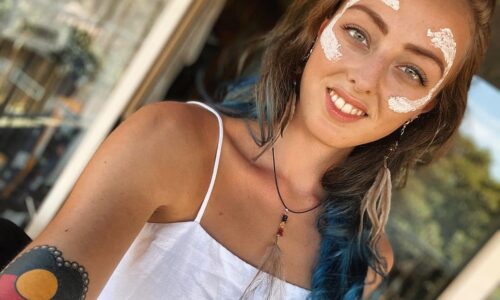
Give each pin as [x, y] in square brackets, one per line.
[116, 194]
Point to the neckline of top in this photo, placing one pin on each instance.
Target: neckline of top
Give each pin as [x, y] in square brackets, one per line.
[163, 225]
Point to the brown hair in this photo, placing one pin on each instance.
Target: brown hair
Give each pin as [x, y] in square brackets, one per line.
[276, 93]
[286, 47]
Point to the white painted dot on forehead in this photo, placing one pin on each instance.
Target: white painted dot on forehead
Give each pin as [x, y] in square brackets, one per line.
[330, 43]
[445, 41]
[394, 4]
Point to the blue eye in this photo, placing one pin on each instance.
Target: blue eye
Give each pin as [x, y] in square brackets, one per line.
[415, 74]
[357, 34]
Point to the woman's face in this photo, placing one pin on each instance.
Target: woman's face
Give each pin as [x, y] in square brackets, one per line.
[377, 64]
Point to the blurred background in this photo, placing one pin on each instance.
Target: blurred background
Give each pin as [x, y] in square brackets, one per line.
[71, 71]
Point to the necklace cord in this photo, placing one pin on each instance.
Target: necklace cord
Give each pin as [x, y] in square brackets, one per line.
[279, 193]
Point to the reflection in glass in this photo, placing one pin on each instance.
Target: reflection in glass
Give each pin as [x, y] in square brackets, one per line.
[59, 61]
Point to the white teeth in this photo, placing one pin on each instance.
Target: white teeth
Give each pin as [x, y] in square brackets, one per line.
[345, 107]
[339, 102]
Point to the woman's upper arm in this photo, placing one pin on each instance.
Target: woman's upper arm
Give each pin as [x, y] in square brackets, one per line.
[111, 201]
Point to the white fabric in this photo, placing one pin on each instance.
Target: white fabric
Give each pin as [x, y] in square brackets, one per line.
[182, 261]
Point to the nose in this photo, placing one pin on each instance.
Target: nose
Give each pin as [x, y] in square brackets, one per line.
[366, 76]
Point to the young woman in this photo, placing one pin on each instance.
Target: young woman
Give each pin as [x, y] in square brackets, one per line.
[179, 204]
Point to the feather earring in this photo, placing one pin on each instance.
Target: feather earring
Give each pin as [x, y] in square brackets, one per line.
[376, 203]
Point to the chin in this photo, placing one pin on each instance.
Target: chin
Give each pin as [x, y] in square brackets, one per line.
[331, 135]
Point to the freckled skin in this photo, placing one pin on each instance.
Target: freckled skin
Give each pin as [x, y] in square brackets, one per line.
[372, 72]
[329, 42]
[399, 104]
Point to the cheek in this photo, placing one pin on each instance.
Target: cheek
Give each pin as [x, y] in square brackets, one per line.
[397, 85]
[384, 128]
[404, 104]
[392, 121]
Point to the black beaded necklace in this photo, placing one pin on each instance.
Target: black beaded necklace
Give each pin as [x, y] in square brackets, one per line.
[284, 217]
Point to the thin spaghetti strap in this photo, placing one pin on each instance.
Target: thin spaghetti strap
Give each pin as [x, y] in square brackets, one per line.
[216, 163]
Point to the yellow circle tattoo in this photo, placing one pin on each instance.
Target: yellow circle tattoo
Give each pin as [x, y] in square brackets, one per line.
[37, 284]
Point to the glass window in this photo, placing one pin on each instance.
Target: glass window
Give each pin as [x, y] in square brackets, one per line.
[60, 62]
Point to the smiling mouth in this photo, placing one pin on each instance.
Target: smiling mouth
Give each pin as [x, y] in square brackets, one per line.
[344, 106]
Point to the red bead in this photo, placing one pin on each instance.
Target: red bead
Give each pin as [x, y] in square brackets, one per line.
[280, 231]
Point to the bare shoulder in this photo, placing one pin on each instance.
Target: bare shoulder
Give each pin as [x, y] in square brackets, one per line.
[177, 118]
[153, 159]
[373, 279]
[175, 129]
[166, 121]
[183, 139]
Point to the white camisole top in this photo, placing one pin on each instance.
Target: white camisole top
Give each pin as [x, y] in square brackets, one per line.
[182, 261]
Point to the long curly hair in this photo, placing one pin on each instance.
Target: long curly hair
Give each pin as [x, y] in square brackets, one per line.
[347, 249]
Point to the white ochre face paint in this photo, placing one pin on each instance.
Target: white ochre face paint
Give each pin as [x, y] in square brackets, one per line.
[444, 41]
[330, 43]
[394, 4]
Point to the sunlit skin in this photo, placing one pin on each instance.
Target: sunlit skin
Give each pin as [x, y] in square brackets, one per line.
[442, 39]
[374, 67]
[153, 165]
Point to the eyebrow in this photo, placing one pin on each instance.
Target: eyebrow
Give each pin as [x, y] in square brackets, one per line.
[377, 19]
[424, 52]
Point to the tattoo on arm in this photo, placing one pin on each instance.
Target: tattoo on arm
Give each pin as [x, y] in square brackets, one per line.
[42, 273]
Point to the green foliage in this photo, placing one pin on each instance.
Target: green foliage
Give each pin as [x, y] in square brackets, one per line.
[451, 208]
